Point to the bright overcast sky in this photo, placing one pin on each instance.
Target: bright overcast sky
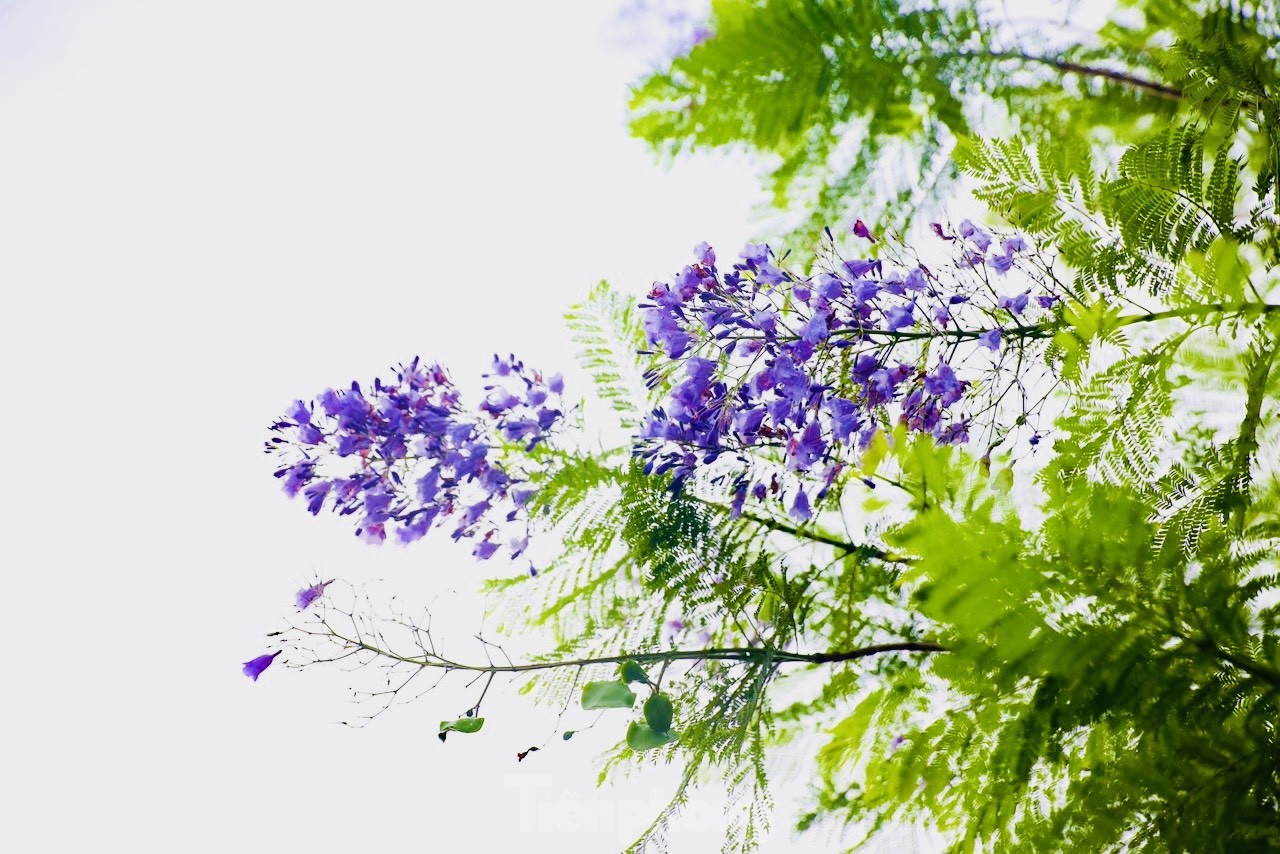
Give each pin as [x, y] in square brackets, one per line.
[208, 209]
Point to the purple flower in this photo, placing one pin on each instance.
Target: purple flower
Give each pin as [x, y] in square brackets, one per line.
[755, 253]
[900, 316]
[484, 549]
[800, 510]
[1015, 305]
[975, 235]
[1001, 263]
[816, 329]
[1014, 244]
[404, 454]
[991, 339]
[739, 499]
[663, 329]
[860, 267]
[828, 287]
[316, 494]
[768, 274]
[944, 385]
[253, 669]
[845, 419]
[307, 595]
[297, 476]
[1047, 301]
[860, 229]
[705, 254]
[953, 434]
[808, 449]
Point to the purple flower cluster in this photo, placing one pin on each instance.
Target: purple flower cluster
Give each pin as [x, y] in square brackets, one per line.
[405, 456]
[813, 365]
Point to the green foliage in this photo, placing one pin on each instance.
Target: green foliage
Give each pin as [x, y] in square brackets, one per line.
[646, 737]
[1094, 628]
[861, 103]
[607, 695]
[606, 327]
[463, 725]
[658, 713]
[632, 672]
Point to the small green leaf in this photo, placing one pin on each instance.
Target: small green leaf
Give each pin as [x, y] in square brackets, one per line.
[567, 735]
[643, 737]
[875, 453]
[658, 713]
[633, 672]
[462, 725]
[607, 695]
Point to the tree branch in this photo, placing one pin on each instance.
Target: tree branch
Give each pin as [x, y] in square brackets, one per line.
[1160, 90]
[734, 654]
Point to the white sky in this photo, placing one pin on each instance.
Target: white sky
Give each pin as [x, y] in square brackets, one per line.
[208, 209]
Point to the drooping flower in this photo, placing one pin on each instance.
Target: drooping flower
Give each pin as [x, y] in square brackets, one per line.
[705, 254]
[975, 235]
[991, 339]
[1015, 305]
[253, 668]
[307, 595]
[944, 385]
[800, 510]
[900, 316]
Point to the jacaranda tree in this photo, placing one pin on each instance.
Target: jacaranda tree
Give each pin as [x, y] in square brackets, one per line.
[984, 519]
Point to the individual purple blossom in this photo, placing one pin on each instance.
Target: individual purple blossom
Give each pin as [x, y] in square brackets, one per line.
[768, 274]
[900, 317]
[1013, 245]
[956, 433]
[253, 668]
[944, 385]
[807, 449]
[1047, 301]
[755, 253]
[1015, 305]
[975, 235]
[800, 510]
[307, 595]
[739, 499]
[859, 228]
[1001, 263]
[705, 254]
[991, 339]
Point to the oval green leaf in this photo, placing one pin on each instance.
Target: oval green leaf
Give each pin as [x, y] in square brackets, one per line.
[607, 695]
[642, 737]
[462, 725]
[658, 713]
[632, 672]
